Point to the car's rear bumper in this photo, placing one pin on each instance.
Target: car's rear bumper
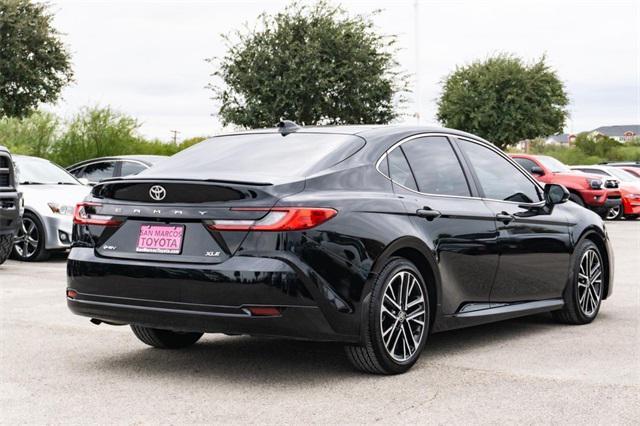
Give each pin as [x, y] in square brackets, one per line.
[10, 204]
[212, 298]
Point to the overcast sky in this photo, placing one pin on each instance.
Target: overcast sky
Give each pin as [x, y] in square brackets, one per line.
[147, 58]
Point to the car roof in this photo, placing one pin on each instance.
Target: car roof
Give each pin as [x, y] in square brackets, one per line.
[147, 159]
[591, 166]
[363, 130]
[33, 157]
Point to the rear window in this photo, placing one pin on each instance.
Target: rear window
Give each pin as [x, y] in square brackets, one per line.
[260, 156]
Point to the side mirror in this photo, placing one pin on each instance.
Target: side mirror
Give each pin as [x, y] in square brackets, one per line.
[536, 170]
[555, 194]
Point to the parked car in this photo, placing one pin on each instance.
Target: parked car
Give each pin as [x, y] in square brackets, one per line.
[633, 170]
[632, 167]
[629, 188]
[587, 190]
[97, 169]
[371, 236]
[10, 204]
[50, 195]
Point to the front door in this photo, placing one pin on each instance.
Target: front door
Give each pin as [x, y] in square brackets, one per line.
[427, 173]
[533, 241]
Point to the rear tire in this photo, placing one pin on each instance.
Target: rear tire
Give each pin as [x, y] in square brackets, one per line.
[6, 244]
[398, 315]
[164, 339]
[583, 296]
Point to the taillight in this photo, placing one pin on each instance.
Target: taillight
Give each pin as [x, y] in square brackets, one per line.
[277, 219]
[85, 214]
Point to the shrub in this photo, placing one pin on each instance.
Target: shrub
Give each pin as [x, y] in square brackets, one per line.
[34, 135]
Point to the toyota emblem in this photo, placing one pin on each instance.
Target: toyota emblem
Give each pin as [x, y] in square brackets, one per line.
[157, 192]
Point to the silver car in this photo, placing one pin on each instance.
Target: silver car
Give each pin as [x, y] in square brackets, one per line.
[50, 194]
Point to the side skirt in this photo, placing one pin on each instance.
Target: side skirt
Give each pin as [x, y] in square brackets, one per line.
[483, 313]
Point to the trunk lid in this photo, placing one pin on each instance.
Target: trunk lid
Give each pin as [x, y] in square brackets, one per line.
[154, 207]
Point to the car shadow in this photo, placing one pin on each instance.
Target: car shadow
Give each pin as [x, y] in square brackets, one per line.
[243, 359]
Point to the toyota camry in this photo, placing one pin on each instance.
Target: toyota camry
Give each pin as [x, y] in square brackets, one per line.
[372, 236]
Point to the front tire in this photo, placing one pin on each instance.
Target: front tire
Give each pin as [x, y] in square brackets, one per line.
[164, 339]
[583, 296]
[28, 244]
[614, 213]
[576, 199]
[6, 244]
[397, 324]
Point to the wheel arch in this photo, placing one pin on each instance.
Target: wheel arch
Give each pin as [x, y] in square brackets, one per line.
[577, 194]
[422, 257]
[598, 237]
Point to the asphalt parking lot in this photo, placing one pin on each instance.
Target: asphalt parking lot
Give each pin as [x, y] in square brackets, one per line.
[57, 368]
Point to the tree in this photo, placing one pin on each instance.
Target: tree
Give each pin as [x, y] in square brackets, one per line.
[97, 132]
[34, 65]
[311, 64]
[504, 100]
[32, 135]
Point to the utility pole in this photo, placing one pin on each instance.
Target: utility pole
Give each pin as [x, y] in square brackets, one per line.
[416, 14]
[175, 136]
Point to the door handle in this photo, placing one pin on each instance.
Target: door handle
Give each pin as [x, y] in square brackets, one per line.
[504, 217]
[428, 213]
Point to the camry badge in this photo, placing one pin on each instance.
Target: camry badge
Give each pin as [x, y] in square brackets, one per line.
[157, 192]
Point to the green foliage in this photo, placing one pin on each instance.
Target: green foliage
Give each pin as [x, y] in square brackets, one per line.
[311, 64]
[93, 132]
[33, 135]
[504, 100]
[34, 65]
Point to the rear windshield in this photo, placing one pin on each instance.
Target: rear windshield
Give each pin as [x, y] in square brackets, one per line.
[259, 157]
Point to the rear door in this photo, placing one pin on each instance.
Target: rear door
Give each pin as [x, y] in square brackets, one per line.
[427, 172]
[534, 243]
[129, 168]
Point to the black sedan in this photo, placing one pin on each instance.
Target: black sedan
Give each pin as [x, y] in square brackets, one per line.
[371, 236]
[97, 169]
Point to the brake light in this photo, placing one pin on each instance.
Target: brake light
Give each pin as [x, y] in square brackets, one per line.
[85, 214]
[277, 219]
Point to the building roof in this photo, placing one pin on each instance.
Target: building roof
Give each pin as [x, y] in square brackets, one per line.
[618, 130]
[562, 138]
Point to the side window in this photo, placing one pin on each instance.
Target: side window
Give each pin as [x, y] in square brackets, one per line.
[436, 166]
[131, 168]
[98, 171]
[399, 170]
[525, 163]
[499, 179]
[77, 172]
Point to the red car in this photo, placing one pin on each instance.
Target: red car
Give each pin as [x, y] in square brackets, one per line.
[629, 188]
[592, 191]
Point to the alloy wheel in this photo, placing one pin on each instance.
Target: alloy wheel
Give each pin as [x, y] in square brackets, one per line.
[27, 239]
[613, 213]
[590, 282]
[402, 316]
